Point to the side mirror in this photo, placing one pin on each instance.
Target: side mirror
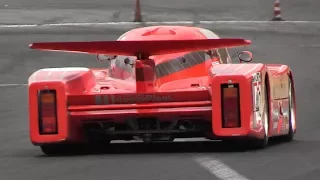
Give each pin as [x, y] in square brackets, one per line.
[245, 56]
[128, 61]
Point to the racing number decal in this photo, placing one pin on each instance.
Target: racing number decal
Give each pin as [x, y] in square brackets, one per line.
[257, 91]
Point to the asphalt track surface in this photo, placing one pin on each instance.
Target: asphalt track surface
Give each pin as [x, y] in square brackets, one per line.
[63, 11]
[294, 44]
[19, 159]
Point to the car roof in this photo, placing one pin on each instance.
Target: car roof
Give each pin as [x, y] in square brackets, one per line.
[168, 33]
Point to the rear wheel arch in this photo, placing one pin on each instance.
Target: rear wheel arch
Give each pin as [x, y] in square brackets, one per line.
[263, 143]
[293, 91]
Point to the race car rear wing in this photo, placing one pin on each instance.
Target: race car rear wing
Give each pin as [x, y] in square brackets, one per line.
[144, 66]
[140, 49]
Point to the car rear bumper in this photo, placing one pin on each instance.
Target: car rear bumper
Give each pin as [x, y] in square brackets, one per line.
[196, 114]
[119, 115]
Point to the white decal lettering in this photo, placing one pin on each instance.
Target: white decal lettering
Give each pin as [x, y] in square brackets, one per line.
[131, 99]
[275, 125]
[98, 100]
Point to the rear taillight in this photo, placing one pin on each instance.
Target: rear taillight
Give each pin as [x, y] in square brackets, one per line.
[48, 112]
[230, 106]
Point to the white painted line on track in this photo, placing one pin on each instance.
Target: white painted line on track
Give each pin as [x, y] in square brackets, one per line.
[310, 45]
[219, 169]
[10, 85]
[155, 22]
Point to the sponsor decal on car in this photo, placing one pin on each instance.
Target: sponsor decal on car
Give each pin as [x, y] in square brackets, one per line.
[256, 100]
[132, 99]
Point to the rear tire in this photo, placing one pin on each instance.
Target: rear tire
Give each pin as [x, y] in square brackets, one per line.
[54, 149]
[96, 138]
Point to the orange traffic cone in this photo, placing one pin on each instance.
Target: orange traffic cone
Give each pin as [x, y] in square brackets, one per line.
[137, 14]
[277, 11]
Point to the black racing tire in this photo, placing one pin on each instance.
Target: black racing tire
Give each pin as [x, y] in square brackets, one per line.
[54, 149]
[96, 139]
[290, 136]
[259, 143]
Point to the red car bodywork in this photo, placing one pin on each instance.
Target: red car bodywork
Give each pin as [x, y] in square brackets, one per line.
[202, 94]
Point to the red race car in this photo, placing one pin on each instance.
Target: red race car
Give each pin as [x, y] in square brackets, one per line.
[160, 83]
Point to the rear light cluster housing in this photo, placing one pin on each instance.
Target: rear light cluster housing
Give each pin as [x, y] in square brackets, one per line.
[48, 122]
[230, 105]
